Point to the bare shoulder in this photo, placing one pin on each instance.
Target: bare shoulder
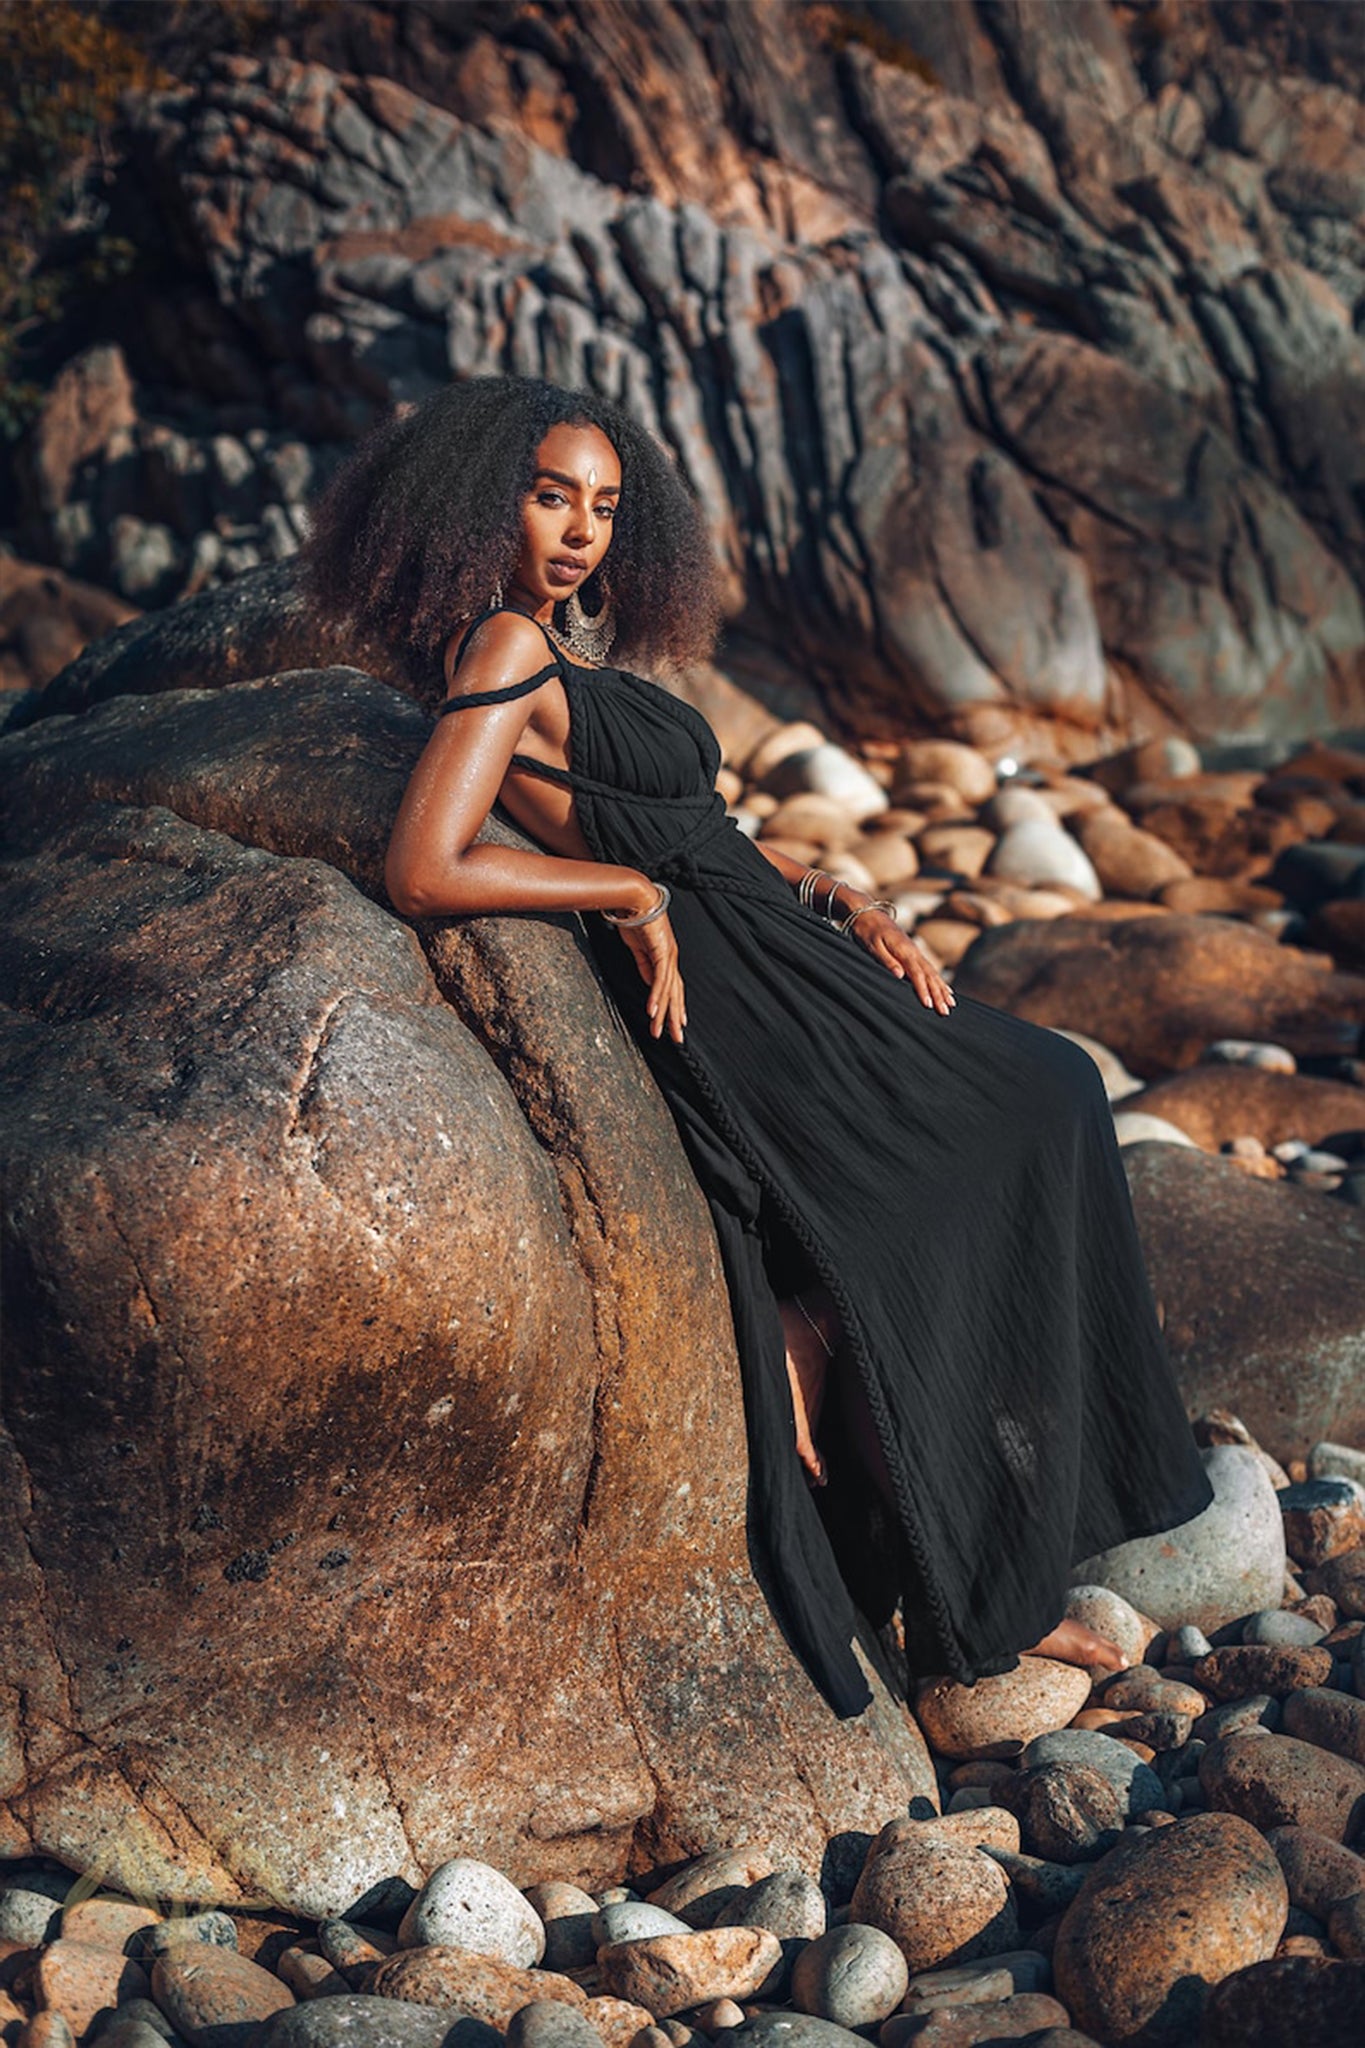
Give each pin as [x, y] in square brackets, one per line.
[506, 648]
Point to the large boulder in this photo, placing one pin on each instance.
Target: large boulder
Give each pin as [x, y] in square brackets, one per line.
[1158, 990]
[999, 382]
[374, 1454]
[1214, 1103]
[1262, 1285]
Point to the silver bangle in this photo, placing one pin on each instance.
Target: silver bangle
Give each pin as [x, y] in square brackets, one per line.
[643, 916]
[878, 903]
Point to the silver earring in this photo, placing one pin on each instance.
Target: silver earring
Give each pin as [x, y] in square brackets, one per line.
[590, 639]
[495, 601]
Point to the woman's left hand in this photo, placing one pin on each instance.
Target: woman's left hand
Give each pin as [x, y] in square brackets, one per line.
[905, 957]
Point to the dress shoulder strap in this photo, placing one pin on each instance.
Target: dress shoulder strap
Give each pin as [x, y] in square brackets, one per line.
[497, 696]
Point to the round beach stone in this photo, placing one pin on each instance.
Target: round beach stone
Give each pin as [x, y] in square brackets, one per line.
[78, 1980]
[1067, 1812]
[991, 1979]
[1346, 1926]
[1322, 1519]
[616, 2020]
[126, 2033]
[703, 1888]
[789, 1904]
[211, 1994]
[1187, 1644]
[567, 1915]
[1242, 1669]
[963, 2026]
[1342, 1579]
[348, 1945]
[1136, 1780]
[353, 2020]
[1039, 1694]
[1235, 1716]
[218, 1930]
[1333, 1720]
[40, 2030]
[670, 1972]
[1288, 2002]
[30, 1907]
[940, 1903]
[1040, 854]
[1156, 1924]
[109, 1923]
[1045, 1889]
[139, 2012]
[548, 2023]
[1319, 1872]
[1143, 1690]
[468, 1904]
[1222, 1565]
[634, 1920]
[790, 2030]
[854, 1975]
[1282, 1628]
[1274, 1781]
[973, 1827]
[308, 1974]
[481, 1986]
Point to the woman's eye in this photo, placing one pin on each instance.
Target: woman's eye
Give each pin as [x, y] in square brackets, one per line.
[551, 498]
[606, 511]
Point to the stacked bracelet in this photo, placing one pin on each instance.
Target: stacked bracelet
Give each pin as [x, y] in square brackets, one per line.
[644, 916]
[805, 894]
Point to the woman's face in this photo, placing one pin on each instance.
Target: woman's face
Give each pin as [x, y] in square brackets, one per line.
[566, 516]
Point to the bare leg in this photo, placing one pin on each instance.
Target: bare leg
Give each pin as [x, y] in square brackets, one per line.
[807, 1368]
[1070, 1642]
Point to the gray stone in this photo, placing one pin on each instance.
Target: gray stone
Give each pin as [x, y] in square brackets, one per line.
[1282, 1628]
[547, 2023]
[790, 2030]
[567, 1913]
[1233, 1716]
[1336, 1461]
[1187, 1643]
[215, 1928]
[854, 1975]
[123, 2032]
[791, 1906]
[1225, 1563]
[1021, 1969]
[635, 1920]
[1127, 1773]
[144, 2012]
[470, 1905]
[357, 2021]
[30, 1907]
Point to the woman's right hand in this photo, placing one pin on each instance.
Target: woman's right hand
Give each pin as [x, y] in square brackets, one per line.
[656, 955]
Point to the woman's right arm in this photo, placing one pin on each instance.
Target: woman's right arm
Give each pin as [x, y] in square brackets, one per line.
[432, 868]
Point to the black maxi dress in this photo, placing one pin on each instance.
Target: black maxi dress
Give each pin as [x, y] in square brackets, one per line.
[954, 1181]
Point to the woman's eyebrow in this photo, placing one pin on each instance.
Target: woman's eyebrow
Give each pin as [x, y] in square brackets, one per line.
[558, 476]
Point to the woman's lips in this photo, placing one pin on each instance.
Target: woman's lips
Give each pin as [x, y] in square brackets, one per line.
[565, 572]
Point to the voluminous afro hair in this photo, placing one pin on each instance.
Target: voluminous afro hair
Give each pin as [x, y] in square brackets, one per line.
[416, 527]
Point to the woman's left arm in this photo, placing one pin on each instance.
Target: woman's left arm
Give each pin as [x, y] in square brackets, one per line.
[876, 931]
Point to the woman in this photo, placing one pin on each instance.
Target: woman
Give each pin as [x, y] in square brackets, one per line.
[955, 1385]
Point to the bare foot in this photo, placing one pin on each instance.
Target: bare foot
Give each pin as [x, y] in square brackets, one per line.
[1071, 1642]
[807, 1364]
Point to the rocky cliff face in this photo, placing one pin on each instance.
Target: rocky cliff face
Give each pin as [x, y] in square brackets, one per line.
[1012, 349]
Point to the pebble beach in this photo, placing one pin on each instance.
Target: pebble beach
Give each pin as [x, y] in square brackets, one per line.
[1169, 1853]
